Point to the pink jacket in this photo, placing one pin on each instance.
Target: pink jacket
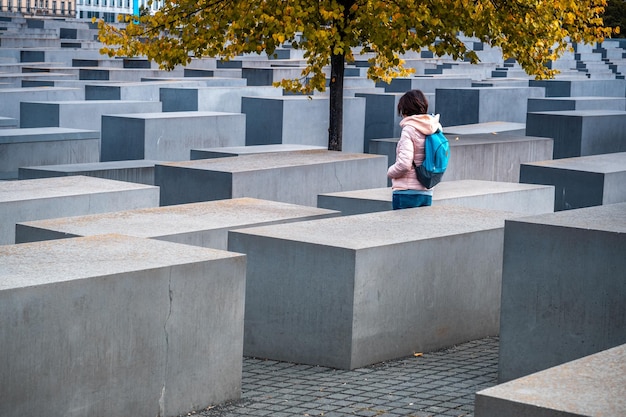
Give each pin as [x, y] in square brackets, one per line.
[410, 148]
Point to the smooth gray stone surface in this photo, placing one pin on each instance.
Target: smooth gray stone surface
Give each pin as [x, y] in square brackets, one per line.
[581, 88]
[8, 123]
[149, 89]
[225, 151]
[592, 386]
[224, 99]
[103, 325]
[140, 171]
[11, 97]
[563, 288]
[576, 103]
[201, 224]
[460, 106]
[428, 84]
[580, 132]
[67, 196]
[496, 128]
[301, 120]
[585, 181]
[487, 157]
[492, 195]
[83, 114]
[295, 177]
[362, 289]
[168, 136]
[46, 146]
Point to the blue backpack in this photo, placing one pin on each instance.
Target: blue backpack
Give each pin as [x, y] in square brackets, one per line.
[437, 154]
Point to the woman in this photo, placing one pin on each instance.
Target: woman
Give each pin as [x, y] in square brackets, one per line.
[416, 123]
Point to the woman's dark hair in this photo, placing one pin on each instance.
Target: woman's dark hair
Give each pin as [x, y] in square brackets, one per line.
[412, 102]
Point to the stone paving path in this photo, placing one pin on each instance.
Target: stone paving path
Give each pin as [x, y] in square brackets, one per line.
[441, 383]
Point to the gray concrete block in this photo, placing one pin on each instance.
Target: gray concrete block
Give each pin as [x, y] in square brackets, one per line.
[492, 195]
[148, 90]
[79, 114]
[581, 87]
[381, 116]
[103, 326]
[426, 83]
[203, 224]
[563, 288]
[8, 123]
[591, 386]
[301, 120]
[140, 171]
[168, 136]
[580, 132]
[45, 146]
[223, 99]
[576, 103]
[494, 128]
[488, 157]
[225, 151]
[67, 196]
[581, 182]
[11, 97]
[292, 177]
[460, 106]
[268, 75]
[362, 289]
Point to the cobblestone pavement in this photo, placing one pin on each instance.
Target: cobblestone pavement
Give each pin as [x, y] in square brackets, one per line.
[441, 383]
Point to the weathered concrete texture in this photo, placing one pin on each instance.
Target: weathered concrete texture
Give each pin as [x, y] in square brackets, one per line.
[224, 151]
[580, 132]
[83, 114]
[301, 120]
[46, 146]
[361, 289]
[581, 182]
[223, 99]
[487, 157]
[168, 136]
[460, 106]
[67, 196]
[140, 171]
[291, 177]
[507, 196]
[563, 288]
[576, 103]
[103, 326]
[581, 88]
[592, 386]
[201, 224]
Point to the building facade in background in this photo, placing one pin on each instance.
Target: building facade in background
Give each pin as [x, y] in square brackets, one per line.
[60, 8]
[108, 10]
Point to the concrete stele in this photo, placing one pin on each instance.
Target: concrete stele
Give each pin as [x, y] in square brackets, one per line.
[593, 386]
[492, 195]
[102, 325]
[47, 198]
[201, 224]
[361, 289]
[292, 177]
[568, 302]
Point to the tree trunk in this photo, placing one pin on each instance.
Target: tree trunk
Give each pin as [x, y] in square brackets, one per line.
[335, 125]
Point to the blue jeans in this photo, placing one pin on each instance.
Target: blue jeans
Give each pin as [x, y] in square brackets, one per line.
[410, 198]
